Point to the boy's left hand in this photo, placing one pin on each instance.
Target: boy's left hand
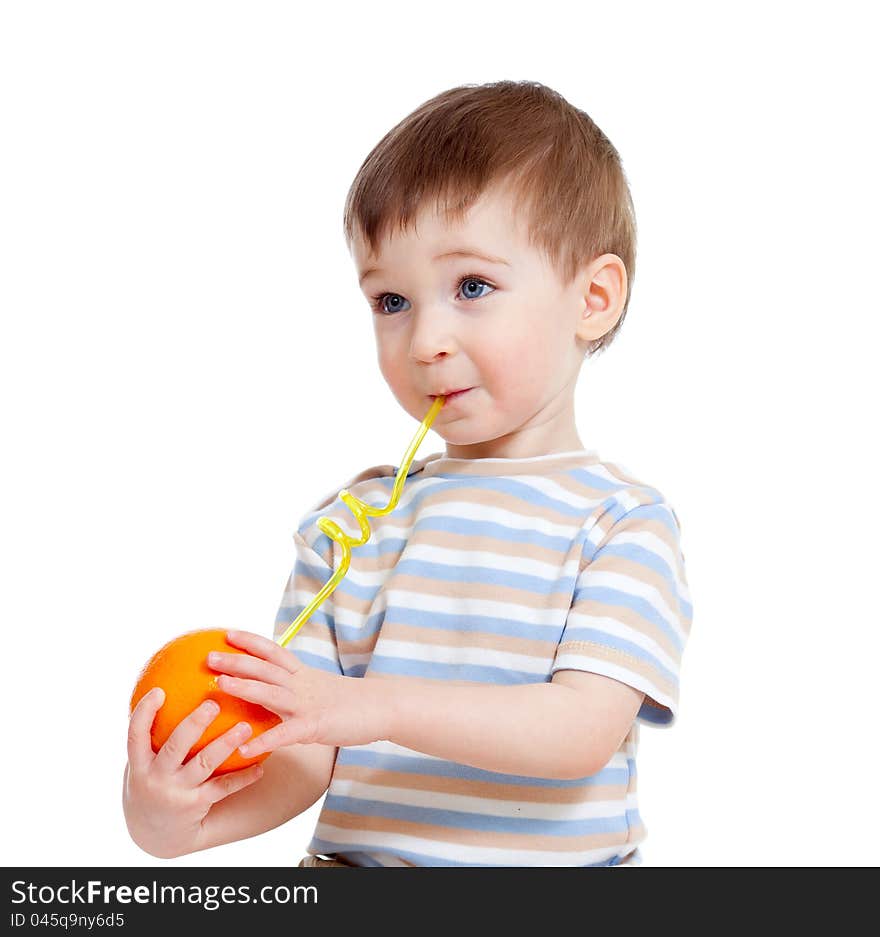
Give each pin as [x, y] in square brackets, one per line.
[315, 706]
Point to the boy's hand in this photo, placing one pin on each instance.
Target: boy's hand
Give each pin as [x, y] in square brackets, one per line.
[315, 706]
[165, 801]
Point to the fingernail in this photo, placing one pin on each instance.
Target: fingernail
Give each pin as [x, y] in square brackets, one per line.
[243, 749]
[213, 657]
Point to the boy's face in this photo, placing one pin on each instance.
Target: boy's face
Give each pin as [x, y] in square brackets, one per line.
[503, 328]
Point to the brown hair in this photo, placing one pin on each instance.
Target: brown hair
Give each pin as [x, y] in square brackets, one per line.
[563, 172]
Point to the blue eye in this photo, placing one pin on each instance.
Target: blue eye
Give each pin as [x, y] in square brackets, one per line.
[395, 300]
[470, 281]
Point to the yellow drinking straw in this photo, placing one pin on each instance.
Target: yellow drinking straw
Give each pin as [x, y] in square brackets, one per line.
[361, 511]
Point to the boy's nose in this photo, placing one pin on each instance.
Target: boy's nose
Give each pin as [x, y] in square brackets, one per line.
[432, 337]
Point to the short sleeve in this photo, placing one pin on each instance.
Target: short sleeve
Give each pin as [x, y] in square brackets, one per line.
[315, 642]
[631, 612]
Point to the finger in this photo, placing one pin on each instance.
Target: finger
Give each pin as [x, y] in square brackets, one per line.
[203, 764]
[259, 646]
[218, 788]
[140, 748]
[186, 733]
[289, 732]
[276, 699]
[244, 665]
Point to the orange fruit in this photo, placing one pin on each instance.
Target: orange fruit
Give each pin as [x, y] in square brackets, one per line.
[181, 668]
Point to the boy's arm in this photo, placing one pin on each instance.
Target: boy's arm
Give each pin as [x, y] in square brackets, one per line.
[568, 728]
[294, 778]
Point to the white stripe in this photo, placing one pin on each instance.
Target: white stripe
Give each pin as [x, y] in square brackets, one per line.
[457, 654]
[462, 558]
[464, 854]
[311, 645]
[439, 800]
[300, 598]
[618, 760]
[628, 500]
[552, 618]
[616, 628]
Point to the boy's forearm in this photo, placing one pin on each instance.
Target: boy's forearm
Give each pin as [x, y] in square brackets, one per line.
[538, 730]
[292, 781]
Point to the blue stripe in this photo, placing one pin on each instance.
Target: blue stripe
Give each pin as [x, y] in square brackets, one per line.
[460, 820]
[327, 848]
[440, 621]
[407, 764]
[597, 636]
[476, 624]
[598, 482]
[486, 575]
[654, 716]
[637, 554]
[616, 598]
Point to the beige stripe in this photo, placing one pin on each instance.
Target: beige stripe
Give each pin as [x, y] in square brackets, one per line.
[622, 659]
[484, 838]
[488, 544]
[437, 637]
[470, 788]
[364, 646]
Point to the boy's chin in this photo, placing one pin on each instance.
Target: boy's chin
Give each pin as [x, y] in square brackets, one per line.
[459, 433]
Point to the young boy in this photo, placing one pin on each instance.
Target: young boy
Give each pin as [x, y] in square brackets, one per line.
[471, 693]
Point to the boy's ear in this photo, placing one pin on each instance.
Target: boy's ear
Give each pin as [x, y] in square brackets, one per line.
[603, 287]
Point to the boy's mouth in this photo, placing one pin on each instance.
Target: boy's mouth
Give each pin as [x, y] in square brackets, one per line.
[451, 394]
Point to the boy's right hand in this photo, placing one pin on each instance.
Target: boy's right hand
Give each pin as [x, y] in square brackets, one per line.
[165, 800]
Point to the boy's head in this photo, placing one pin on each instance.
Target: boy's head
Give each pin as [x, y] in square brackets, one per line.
[512, 172]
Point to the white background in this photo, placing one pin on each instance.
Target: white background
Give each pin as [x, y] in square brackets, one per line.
[176, 295]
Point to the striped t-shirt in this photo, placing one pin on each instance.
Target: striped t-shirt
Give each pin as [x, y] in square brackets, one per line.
[496, 571]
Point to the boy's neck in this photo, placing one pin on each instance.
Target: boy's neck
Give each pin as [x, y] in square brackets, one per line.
[523, 444]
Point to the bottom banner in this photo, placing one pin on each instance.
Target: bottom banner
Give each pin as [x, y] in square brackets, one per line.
[140, 900]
